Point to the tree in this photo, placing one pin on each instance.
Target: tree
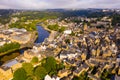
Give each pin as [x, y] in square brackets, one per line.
[72, 34]
[116, 19]
[53, 27]
[8, 47]
[106, 75]
[28, 67]
[60, 66]
[52, 64]
[67, 41]
[29, 78]
[40, 72]
[34, 60]
[100, 26]
[28, 72]
[62, 29]
[20, 74]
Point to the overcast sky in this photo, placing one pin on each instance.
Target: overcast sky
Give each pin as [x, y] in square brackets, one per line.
[52, 4]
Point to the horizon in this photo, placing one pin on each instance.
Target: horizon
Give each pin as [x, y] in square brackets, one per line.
[64, 9]
[59, 4]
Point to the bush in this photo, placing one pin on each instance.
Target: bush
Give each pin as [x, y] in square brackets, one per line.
[67, 41]
[40, 72]
[29, 27]
[53, 27]
[72, 34]
[28, 67]
[52, 64]
[116, 19]
[34, 60]
[62, 29]
[28, 72]
[20, 74]
[9, 46]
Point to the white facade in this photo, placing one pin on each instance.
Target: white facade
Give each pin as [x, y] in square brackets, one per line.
[47, 77]
[67, 32]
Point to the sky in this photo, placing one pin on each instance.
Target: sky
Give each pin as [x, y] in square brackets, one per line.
[53, 4]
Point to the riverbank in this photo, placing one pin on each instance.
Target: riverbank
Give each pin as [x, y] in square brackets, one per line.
[36, 37]
[45, 27]
[52, 33]
[29, 44]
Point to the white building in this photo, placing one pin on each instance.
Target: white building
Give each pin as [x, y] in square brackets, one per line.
[67, 32]
[47, 77]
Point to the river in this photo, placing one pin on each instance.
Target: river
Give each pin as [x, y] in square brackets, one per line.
[42, 35]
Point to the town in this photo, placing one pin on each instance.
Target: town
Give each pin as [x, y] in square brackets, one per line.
[85, 46]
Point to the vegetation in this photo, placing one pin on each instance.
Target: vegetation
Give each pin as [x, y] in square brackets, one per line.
[116, 19]
[29, 27]
[62, 29]
[76, 21]
[100, 26]
[8, 48]
[72, 34]
[39, 72]
[9, 57]
[56, 28]
[53, 66]
[53, 27]
[34, 60]
[5, 16]
[94, 13]
[4, 19]
[106, 75]
[29, 19]
[37, 15]
[67, 41]
[28, 67]
[20, 74]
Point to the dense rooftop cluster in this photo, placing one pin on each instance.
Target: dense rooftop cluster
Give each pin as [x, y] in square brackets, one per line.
[88, 48]
[83, 49]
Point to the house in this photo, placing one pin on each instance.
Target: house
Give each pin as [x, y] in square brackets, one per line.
[80, 69]
[63, 56]
[7, 69]
[93, 77]
[84, 56]
[29, 54]
[85, 27]
[93, 51]
[97, 75]
[107, 53]
[64, 73]
[2, 43]
[116, 77]
[98, 52]
[67, 32]
[119, 71]
[47, 77]
[93, 63]
[65, 78]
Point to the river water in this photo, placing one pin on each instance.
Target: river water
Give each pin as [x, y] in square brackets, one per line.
[42, 35]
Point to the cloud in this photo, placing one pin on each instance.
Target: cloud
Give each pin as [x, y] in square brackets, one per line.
[48, 4]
